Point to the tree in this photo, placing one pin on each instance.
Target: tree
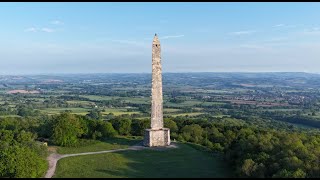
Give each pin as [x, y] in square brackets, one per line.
[25, 137]
[45, 128]
[217, 147]
[109, 116]
[282, 174]
[66, 129]
[20, 156]
[107, 130]
[96, 135]
[24, 111]
[21, 162]
[192, 133]
[169, 123]
[123, 126]
[299, 173]
[248, 167]
[95, 114]
[138, 126]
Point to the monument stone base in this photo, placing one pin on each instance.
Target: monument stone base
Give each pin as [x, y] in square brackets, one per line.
[156, 137]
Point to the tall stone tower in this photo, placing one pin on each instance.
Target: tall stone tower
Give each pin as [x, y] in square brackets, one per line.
[156, 135]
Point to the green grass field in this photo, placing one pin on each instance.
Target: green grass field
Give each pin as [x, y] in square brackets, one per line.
[170, 110]
[51, 111]
[212, 103]
[10, 116]
[85, 103]
[189, 114]
[95, 145]
[84, 111]
[209, 91]
[173, 105]
[184, 162]
[118, 111]
[190, 103]
[317, 115]
[98, 98]
[39, 99]
[135, 100]
[181, 105]
[281, 109]
[220, 116]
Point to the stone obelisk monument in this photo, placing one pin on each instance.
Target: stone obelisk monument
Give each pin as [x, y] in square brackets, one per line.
[156, 135]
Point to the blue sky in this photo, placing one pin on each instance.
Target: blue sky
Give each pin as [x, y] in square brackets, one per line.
[195, 37]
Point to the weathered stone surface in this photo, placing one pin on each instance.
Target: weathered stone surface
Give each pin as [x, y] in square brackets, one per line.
[157, 135]
[156, 91]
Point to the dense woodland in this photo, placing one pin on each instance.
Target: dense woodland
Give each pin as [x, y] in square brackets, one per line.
[251, 150]
[263, 125]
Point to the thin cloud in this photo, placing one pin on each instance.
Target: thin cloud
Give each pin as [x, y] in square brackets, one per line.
[312, 31]
[136, 43]
[279, 25]
[48, 30]
[125, 41]
[168, 37]
[243, 32]
[252, 46]
[56, 22]
[45, 29]
[284, 26]
[32, 29]
[276, 39]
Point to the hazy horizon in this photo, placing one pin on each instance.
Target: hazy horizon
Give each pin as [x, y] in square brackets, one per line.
[234, 72]
[73, 38]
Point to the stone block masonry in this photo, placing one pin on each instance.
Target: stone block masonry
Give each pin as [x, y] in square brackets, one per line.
[160, 137]
[156, 135]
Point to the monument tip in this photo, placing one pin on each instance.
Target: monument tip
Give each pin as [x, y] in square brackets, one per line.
[155, 39]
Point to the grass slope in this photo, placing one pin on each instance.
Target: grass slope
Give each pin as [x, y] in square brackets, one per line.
[184, 162]
[95, 145]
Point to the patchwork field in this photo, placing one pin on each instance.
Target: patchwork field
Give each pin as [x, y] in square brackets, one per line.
[51, 111]
[99, 98]
[134, 100]
[187, 114]
[84, 111]
[118, 111]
